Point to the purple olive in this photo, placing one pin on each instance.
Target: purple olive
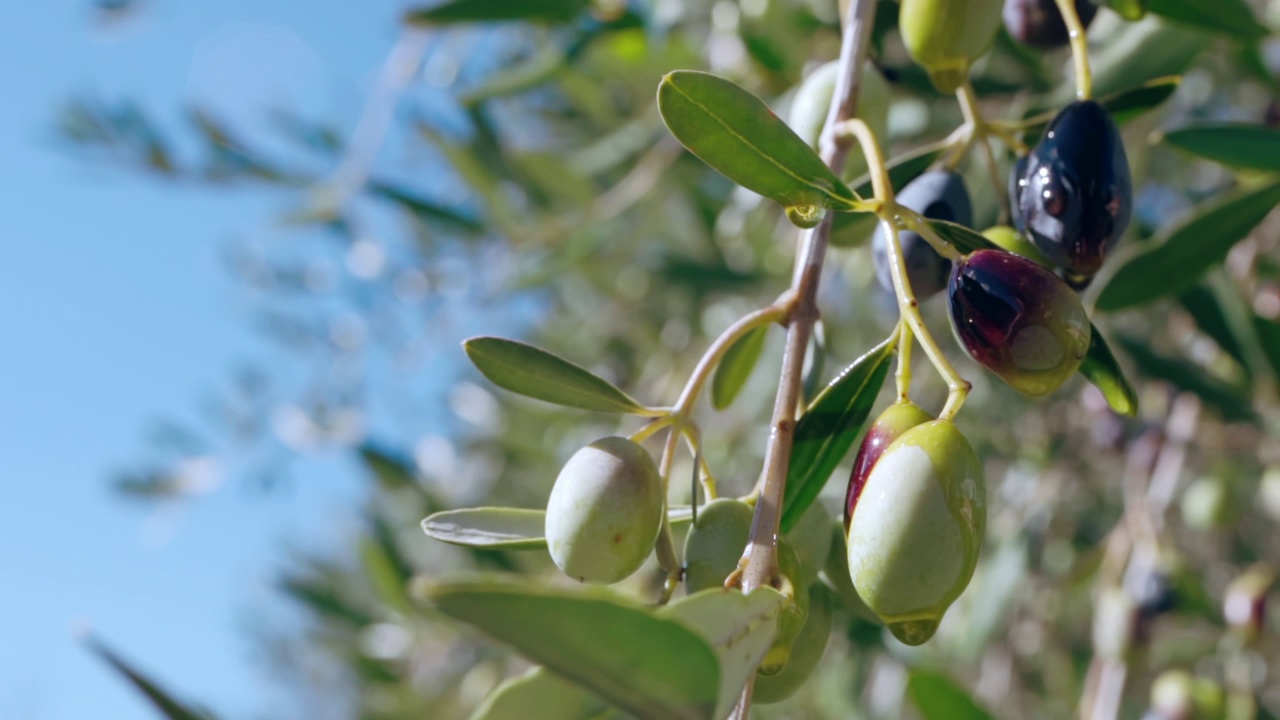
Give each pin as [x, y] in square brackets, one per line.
[1038, 23]
[1018, 320]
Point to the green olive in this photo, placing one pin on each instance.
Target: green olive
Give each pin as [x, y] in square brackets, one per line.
[605, 511]
[889, 426]
[806, 652]
[946, 36]
[715, 543]
[917, 528]
[794, 612]
[1015, 242]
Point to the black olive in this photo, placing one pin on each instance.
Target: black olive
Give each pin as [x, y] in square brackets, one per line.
[1039, 24]
[937, 195]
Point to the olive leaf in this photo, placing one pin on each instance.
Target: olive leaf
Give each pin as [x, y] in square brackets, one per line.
[1268, 333]
[1202, 304]
[652, 667]
[539, 693]
[1189, 248]
[1250, 147]
[735, 367]
[466, 11]
[1232, 402]
[828, 428]
[1128, 9]
[536, 373]
[1140, 52]
[961, 238]
[1101, 368]
[492, 527]
[736, 133]
[740, 628]
[1232, 17]
[168, 706]
[938, 698]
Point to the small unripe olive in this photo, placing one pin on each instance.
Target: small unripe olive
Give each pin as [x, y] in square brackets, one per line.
[806, 652]
[794, 612]
[916, 529]
[946, 36]
[1018, 320]
[811, 539]
[1011, 240]
[892, 423]
[715, 543]
[604, 511]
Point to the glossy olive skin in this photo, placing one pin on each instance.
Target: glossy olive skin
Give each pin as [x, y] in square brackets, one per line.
[1016, 173]
[604, 511]
[1039, 24]
[946, 36]
[937, 195]
[917, 529]
[892, 423]
[1018, 320]
[1075, 194]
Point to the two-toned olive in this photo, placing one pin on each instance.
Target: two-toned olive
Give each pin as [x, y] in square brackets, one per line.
[889, 426]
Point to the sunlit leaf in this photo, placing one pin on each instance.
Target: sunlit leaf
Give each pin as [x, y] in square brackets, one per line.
[468, 11]
[962, 238]
[1140, 52]
[1188, 249]
[653, 667]
[536, 373]
[1251, 147]
[1101, 368]
[828, 428]
[1232, 17]
[736, 133]
[163, 701]
[539, 693]
[1128, 9]
[735, 368]
[740, 628]
[1203, 306]
[492, 527]
[1232, 402]
[938, 698]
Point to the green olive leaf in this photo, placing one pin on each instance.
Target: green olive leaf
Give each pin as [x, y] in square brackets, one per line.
[384, 575]
[652, 667]
[740, 628]
[962, 238]
[735, 367]
[491, 527]
[1232, 17]
[1203, 306]
[1101, 368]
[1140, 52]
[539, 693]
[828, 428]
[163, 701]
[1184, 251]
[468, 11]
[1232, 402]
[1268, 333]
[536, 373]
[1128, 9]
[938, 698]
[1250, 147]
[736, 133]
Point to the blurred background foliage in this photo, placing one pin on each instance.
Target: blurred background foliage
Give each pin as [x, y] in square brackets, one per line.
[544, 191]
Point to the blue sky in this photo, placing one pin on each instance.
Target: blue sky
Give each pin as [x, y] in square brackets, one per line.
[115, 309]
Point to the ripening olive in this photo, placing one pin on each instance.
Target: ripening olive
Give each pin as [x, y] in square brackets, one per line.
[917, 528]
[604, 511]
[812, 100]
[1038, 23]
[1018, 320]
[806, 652]
[794, 612]
[1013, 241]
[1074, 195]
[937, 195]
[892, 423]
[715, 543]
[946, 36]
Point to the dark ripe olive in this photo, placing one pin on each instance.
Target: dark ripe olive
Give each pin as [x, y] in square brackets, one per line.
[893, 422]
[936, 195]
[1039, 24]
[1018, 320]
[1075, 195]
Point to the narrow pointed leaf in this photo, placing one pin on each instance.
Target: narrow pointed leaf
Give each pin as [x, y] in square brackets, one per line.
[1231, 401]
[962, 238]
[168, 706]
[827, 430]
[938, 698]
[651, 667]
[539, 693]
[736, 133]
[1187, 250]
[1203, 306]
[491, 527]
[468, 11]
[1101, 369]
[1232, 17]
[1251, 147]
[740, 628]
[1268, 332]
[536, 373]
[735, 368]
